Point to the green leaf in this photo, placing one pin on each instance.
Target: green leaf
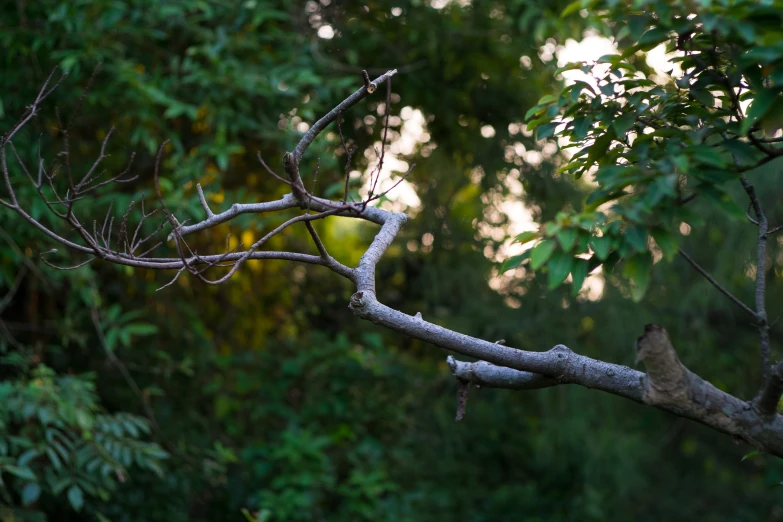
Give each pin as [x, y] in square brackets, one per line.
[54, 458]
[582, 241]
[742, 151]
[637, 269]
[761, 104]
[577, 88]
[141, 329]
[526, 237]
[773, 120]
[666, 242]
[724, 200]
[27, 456]
[76, 497]
[637, 238]
[23, 473]
[582, 127]
[681, 162]
[567, 237]
[599, 148]
[653, 38]
[533, 111]
[568, 67]
[609, 58]
[750, 455]
[154, 391]
[559, 268]
[541, 253]
[746, 30]
[514, 262]
[546, 130]
[552, 228]
[637, 25]
[624, 123]
[706, 155]
[547, 99]
[30, 493]
[703, 96]
[601, 246]
[572, 8]
[763, 54]
[776, 78]
[717, 176]
[578, 273]
[533, 124]
[59, 486]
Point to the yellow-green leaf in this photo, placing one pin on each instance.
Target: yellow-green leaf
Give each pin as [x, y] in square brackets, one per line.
[526, 237]
[541, 253]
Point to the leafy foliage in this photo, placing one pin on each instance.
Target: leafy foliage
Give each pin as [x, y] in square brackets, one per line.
[651, 145]
[57, 442]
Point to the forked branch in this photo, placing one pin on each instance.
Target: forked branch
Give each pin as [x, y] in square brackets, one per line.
[667, 385]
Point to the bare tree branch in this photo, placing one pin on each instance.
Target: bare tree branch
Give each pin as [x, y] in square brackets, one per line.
[667, 384]
[762, 399]
[482, 373]
[768, 385]
[335, 113]
[769, 396]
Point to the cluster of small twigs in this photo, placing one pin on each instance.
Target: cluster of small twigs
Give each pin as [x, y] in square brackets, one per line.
[136, 249]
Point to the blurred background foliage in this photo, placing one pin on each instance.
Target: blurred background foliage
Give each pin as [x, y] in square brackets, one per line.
[265, 398]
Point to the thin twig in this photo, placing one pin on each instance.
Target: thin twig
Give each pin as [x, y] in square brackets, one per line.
[317, 240]
[387, 111]
[761, 272]
[203, 200]
[396, 184]
[270, 171]
[714, 283]
[63, 268]
[332, 115]
[349, 155]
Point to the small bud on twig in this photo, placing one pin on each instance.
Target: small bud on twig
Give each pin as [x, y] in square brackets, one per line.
[367, 84]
